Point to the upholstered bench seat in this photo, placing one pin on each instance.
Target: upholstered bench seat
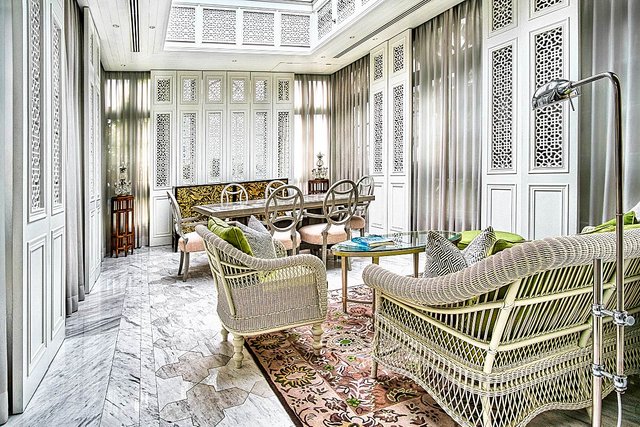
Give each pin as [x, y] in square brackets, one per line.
[284, 237]
[313, 234]
[194, 243]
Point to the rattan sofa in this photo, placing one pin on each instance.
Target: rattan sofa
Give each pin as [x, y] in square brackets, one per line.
[509, 337]
[256, 296]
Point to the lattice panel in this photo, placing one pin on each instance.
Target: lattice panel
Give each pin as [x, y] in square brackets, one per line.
[540, 5]
[345, 8]
[214, 90]
[163, 150]
[548, 122]
[214, 145]
[378, 132]
[398, 129]
[182, 24]
[163, 90]
[261, 90]
[189, 90]
[261, 139]
[56, 128]
[238, 145]
[398, 58]
[502, 97]
[239, 90]
[378, 67]
[294, 30]
[36, 150]
[283, 143]
[502, 14]
[284, 90]
[325, 20]
[218, 26]
[257, 28]
[188, 140]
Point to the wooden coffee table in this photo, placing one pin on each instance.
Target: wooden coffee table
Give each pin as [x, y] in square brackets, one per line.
[407, 243]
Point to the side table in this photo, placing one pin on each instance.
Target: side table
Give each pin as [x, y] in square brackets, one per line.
[122, 227]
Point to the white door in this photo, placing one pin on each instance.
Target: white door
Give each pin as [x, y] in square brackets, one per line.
[92, 153]
[38, 300]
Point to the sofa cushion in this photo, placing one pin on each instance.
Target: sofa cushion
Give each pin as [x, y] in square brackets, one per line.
[230, 234]
[504, 240]
[261, 242]
[628, 218]
[443, 257]
[255, 224]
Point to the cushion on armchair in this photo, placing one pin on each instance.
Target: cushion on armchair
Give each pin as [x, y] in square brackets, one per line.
[259, 239]
[230, 234]
[628, 219]
[443, 257]
[504, 240]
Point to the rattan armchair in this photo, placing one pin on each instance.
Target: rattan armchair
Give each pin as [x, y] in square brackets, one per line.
[508, 337]
[257, 296]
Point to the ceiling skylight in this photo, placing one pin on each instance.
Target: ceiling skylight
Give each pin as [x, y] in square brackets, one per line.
[294, 26]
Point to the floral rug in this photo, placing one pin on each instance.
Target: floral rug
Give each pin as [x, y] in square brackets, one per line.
[334, 389]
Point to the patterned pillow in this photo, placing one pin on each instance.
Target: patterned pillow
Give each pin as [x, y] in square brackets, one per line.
[261, 243]
[443, 257]
[255, 224]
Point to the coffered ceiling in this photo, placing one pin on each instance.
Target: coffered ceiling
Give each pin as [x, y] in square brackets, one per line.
[126, 26]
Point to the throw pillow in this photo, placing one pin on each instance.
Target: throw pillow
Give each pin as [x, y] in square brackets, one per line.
[261, 242]
[627, 219]
[443, 257]
[230, 234]
[504, 240]
[255, 224]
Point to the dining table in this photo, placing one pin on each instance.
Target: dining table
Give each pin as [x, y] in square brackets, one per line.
[246, 208]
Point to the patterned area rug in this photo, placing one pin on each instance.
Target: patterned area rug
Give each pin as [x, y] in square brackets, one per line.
[334, 389]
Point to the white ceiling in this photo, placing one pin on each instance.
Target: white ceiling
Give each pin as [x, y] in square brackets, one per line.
[153, 14]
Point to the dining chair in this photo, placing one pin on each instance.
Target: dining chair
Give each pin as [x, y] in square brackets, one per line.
[284, 210]
[272, 186]
[338, 207]
[188, 241]
[234, 192]
[360, 221]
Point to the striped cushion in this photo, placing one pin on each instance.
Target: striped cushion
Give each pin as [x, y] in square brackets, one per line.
[443, 257]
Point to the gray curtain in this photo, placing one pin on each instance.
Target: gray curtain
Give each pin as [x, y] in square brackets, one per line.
[312, 124]
[126, 140]
[447, 120]
[6, 142]
[610, 39]
[348, 149]
[73, 198]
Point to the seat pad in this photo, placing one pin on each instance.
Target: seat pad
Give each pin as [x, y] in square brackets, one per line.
[357, 222]
[284, 237]
[194, 243]
[313, 234]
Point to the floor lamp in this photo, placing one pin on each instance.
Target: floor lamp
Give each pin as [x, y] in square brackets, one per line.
[557, 91]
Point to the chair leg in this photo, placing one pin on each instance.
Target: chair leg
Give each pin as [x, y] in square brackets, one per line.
[238, 345]
[374, 370]
[181, 263]
[186, 267]
[324, 254]
[317, 332]
[225, 334]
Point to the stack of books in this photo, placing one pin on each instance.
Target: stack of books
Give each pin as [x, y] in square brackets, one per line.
[371, 242]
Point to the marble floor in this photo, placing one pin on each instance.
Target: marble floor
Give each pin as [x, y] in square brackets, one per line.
[144, 349]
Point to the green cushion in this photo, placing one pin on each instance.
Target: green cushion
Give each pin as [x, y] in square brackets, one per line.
[504, 240]
[230, 234]
[628, 220]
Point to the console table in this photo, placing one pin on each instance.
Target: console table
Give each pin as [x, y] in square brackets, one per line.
[122, 227]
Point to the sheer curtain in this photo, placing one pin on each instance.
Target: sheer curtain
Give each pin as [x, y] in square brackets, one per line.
[126, 140]
[610, 40]
[73, 167]
[447, 120]
[311, 124]
[348, 150]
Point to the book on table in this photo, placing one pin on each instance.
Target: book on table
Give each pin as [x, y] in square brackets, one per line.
[373, 241]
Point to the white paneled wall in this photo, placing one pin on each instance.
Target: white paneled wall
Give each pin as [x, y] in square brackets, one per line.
[38, 232]
[216, 126]
[390, 137]
[530, 180]
[93, 199]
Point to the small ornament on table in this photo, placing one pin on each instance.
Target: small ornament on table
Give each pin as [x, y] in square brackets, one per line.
[123, 185]
[320, 171]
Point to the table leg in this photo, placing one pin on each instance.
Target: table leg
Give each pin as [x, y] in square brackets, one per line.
[416, 261]
[344, 283]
